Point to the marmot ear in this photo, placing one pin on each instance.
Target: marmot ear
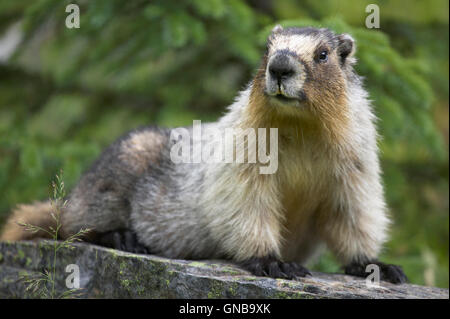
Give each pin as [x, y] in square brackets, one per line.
[277, 28]
[346, 46]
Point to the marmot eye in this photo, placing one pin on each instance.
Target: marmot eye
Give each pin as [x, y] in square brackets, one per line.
[323, 56]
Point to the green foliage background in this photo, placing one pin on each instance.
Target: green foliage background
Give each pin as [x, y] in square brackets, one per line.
[66, 93]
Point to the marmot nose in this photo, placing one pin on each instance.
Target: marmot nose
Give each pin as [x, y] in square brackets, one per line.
[280, 68]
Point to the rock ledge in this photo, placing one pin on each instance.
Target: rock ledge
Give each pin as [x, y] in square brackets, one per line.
[108, 273]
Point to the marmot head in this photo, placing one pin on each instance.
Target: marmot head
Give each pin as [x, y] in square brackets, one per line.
[306, 68]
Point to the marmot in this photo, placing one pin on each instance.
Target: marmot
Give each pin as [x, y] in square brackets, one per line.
[326, 190]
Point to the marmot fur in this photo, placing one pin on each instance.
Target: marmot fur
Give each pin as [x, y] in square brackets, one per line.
[327, 188]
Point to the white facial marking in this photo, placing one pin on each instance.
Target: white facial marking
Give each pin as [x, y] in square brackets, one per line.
[303, 45]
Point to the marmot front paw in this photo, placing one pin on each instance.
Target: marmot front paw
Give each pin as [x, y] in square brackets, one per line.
[272, 267]
[391, 273]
